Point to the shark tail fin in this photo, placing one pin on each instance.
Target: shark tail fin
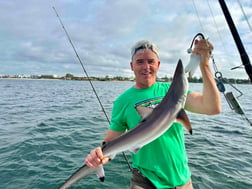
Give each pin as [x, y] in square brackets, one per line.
[81, 173]
[182, 118]
[193, 64]
[100, 174]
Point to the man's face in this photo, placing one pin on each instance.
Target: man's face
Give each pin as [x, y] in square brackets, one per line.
[145, 65]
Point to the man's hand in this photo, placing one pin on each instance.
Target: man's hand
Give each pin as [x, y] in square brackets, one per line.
[203, 48]
[96, 158]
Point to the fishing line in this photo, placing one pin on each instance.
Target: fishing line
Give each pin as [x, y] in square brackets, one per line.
[229, 96]
[245, 16]
[219, 34]
[197, 13]
[86, 73]
[217, 28]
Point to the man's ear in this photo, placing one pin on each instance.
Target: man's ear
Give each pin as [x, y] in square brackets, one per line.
[131, 65]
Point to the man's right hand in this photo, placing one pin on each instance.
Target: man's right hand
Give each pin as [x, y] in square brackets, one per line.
[95, 158]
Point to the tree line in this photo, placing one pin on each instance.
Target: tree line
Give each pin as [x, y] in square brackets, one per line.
[69, 76]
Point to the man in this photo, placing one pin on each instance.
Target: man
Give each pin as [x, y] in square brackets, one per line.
[162, 163]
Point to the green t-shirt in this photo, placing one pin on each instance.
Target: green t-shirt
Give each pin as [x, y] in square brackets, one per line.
[163, 161]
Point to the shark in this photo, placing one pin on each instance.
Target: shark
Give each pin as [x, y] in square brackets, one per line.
[154, 124]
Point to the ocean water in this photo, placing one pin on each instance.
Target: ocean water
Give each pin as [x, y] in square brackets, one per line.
[47, 127]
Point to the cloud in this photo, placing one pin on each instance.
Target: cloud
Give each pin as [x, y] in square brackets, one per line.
[103, 31]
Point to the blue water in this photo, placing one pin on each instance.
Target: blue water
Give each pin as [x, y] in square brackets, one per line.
[48, 126]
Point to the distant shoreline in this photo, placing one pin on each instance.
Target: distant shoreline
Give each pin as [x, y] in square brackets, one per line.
[117, 78]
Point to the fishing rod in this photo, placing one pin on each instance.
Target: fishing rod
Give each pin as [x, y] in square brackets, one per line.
[86, 73]
[243, 54]
[231, 99]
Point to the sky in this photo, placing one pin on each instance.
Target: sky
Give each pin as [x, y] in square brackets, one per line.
[33, 42]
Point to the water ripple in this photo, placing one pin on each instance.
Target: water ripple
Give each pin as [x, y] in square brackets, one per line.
[48, 127]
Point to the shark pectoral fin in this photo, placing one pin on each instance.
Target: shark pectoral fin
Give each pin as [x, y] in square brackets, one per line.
[182, 118]
[100, 173]
[144, 111]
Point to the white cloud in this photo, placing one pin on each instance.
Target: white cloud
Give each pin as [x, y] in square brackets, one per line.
[103, 31]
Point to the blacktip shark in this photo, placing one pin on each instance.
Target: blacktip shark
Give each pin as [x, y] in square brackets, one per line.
[151, 127]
